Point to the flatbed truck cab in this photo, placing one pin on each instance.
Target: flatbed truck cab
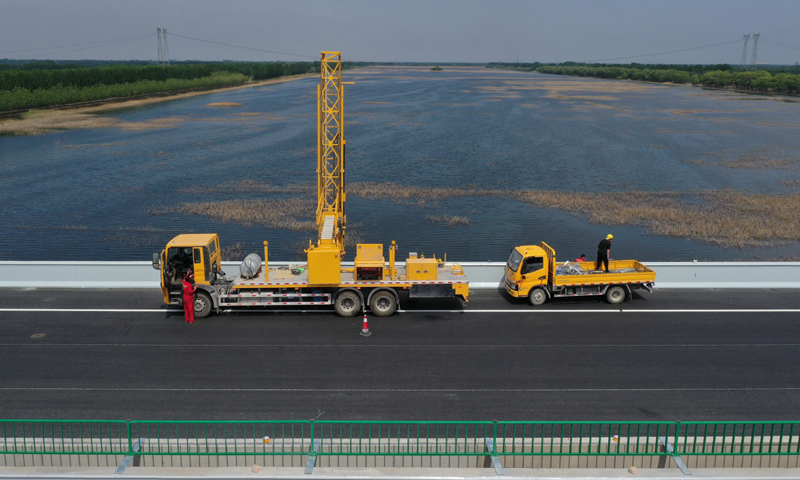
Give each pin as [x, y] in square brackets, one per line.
[198, 252]
[532, 272]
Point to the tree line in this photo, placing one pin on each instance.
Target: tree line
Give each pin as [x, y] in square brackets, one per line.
[46, 83]
[21, 98]
[775, 79]
[110, 75]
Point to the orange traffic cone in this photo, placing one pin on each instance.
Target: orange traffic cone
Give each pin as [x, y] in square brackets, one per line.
[365, 329]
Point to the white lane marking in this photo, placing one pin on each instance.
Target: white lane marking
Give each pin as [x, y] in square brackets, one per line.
[94, 310]
[619, 310]
[404, 390]
[696, 310]
[530, 311]
[398, 345]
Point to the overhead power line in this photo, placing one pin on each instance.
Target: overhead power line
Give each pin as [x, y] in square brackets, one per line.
[662, 53]
[781, 44]
[102, 42]
[240, 46]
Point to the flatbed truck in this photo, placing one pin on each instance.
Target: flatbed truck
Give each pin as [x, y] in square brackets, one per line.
[370, 282]
[532, 272]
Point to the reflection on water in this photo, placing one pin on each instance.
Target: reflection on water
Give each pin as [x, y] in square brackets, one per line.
[98, 194]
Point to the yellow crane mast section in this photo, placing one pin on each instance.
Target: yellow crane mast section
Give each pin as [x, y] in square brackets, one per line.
[325, 258]
[330, 153]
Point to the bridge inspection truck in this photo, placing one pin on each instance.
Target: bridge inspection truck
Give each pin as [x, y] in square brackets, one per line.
[532, 272]
[322, 280]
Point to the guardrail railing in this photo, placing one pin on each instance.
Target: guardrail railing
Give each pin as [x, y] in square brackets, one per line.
[490, 440]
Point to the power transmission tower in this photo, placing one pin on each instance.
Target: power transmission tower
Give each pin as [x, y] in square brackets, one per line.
[160, 48]
[744, 52]
[166, 47]
[755, 48]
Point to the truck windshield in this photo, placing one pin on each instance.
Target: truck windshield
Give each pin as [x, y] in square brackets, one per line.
[514, 260]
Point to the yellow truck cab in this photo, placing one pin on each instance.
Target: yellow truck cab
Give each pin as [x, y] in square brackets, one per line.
[532, 272]
[198, 252]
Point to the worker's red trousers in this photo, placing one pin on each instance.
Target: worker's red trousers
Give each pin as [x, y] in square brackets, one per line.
[188, 307]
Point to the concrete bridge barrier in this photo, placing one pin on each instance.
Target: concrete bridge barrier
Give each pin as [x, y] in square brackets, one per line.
[482, 275]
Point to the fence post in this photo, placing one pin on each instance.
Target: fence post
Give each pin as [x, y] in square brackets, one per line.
[311, 443]
[130, 437]
[494, 438]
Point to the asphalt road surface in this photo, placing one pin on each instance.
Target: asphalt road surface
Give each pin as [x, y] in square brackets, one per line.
[670, 355]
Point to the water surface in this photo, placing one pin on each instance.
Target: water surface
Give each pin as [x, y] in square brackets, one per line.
[91, 194]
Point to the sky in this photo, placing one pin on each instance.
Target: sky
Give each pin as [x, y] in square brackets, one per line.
[439, 31]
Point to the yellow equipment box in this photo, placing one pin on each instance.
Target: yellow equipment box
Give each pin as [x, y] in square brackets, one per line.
[422, 269]
[324, 266]
[369, 262]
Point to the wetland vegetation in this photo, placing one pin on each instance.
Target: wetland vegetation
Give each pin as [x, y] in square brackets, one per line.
[726, 218]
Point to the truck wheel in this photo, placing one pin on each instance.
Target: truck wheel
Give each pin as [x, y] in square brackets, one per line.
[347, 304]
[537, 297]
[383, 304]
[202, 305]
[615, 295]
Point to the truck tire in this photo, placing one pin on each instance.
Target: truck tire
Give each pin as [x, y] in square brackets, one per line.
[537, 297]
[615, 295]
[202, 305]
[383, 304]
[347, 304]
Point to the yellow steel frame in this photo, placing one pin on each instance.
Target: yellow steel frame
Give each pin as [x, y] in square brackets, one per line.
[330, 152]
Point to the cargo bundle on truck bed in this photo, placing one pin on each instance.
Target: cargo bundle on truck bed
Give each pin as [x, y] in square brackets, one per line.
[532, 272]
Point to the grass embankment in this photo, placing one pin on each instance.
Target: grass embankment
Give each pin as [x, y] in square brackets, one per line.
[726, 218]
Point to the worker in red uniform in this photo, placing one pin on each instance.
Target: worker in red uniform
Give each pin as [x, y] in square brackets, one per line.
[188, 297]
[582, 258]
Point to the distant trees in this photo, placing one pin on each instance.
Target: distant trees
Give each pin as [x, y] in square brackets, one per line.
[20, 98]
[761, 80]
[646, 74]
[45, 83]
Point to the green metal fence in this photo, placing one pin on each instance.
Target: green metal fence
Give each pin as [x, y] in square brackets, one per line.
[406, 439]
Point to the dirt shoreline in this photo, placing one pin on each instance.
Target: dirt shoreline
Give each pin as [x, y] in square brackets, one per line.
[42, 121]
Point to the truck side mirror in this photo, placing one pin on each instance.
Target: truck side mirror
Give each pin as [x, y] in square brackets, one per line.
[157, 261]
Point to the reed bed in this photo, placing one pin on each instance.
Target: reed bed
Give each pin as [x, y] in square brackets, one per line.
[726, 218]
[81, 146]
[393, 191]
[449, 220]
[35, 124]
[750, 162]
[233, 252]
[295, 214]
[251, 186]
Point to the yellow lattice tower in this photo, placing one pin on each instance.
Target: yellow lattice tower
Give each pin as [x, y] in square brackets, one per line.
[330, 153]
